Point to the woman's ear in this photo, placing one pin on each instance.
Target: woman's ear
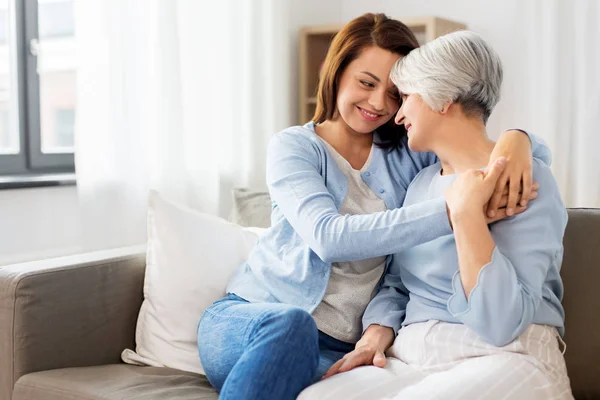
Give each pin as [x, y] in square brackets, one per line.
[446, 108]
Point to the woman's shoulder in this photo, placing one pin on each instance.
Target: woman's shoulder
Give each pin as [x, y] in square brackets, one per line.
[542, 174]
[298, 132]
[299, 136]
[296, 144]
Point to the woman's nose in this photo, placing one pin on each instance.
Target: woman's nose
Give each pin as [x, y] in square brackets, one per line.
[399, 117]
[377, 101]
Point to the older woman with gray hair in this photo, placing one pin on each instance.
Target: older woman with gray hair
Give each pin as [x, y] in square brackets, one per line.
[475, 314]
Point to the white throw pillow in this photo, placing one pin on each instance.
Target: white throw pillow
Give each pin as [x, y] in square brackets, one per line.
[190, 258]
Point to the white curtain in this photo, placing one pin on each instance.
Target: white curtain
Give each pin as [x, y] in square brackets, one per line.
[562, 83]
[177, 95]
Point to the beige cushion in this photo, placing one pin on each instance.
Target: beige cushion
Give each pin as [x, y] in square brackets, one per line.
[116, 381]
[251, 208]
[191, 257]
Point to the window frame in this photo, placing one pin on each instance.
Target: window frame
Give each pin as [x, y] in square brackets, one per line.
[30, 160]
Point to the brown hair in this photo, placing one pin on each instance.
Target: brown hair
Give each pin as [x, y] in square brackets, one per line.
[364, 31]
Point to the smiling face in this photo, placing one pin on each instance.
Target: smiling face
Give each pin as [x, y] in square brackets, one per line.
[420, 121]
[366, 97]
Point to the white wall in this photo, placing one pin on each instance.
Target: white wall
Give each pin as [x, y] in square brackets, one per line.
[38, 223]
[307, 13]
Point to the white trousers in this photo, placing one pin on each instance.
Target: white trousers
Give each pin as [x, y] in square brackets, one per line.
[439, 360]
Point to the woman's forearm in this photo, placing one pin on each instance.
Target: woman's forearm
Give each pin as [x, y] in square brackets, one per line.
[474, 245]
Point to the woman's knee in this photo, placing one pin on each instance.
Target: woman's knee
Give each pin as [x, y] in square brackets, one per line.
[299, 319]
[294, 320]
[277, 329]
[290, 328]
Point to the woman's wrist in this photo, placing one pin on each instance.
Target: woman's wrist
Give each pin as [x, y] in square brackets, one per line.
[377, 336]
[458, 216]
[515, 133]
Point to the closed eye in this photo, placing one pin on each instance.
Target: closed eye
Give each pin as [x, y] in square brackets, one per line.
[367, 84]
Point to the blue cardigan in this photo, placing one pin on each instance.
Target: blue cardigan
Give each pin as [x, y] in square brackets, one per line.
[520, 286]
[292, 260]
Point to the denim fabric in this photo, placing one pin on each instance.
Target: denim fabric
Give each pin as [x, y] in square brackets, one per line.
[330, 351]
[263, 350]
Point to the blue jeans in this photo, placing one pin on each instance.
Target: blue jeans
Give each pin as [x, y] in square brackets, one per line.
[263, 350]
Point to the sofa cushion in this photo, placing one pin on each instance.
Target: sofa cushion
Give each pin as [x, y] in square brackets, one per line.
[190, 258]
[72, 311]
[251, 208]
[581, 273]
[116, 381]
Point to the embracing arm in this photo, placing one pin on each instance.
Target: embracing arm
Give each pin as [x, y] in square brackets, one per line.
[539, 148]
[299, 190]
[515, 185]
[519, 148]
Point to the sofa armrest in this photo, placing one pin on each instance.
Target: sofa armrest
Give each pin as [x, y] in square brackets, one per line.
[68, 312]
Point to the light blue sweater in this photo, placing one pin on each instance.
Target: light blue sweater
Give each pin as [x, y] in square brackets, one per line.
[519, 287]
[292, 260]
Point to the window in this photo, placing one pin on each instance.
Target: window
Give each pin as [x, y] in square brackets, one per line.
[38, 70]
[64, 129]
[8, 143]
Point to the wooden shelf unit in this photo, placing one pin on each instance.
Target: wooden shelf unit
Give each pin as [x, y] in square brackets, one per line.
[315, 40]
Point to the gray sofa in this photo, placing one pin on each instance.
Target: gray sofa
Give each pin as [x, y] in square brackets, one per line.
[64, 323]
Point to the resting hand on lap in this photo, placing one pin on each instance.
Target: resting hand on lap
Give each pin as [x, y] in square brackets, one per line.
[369, 350]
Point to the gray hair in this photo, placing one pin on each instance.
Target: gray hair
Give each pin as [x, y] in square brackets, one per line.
[459, 67]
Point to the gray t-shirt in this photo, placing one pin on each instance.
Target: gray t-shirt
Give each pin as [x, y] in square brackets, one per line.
[351, 284]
